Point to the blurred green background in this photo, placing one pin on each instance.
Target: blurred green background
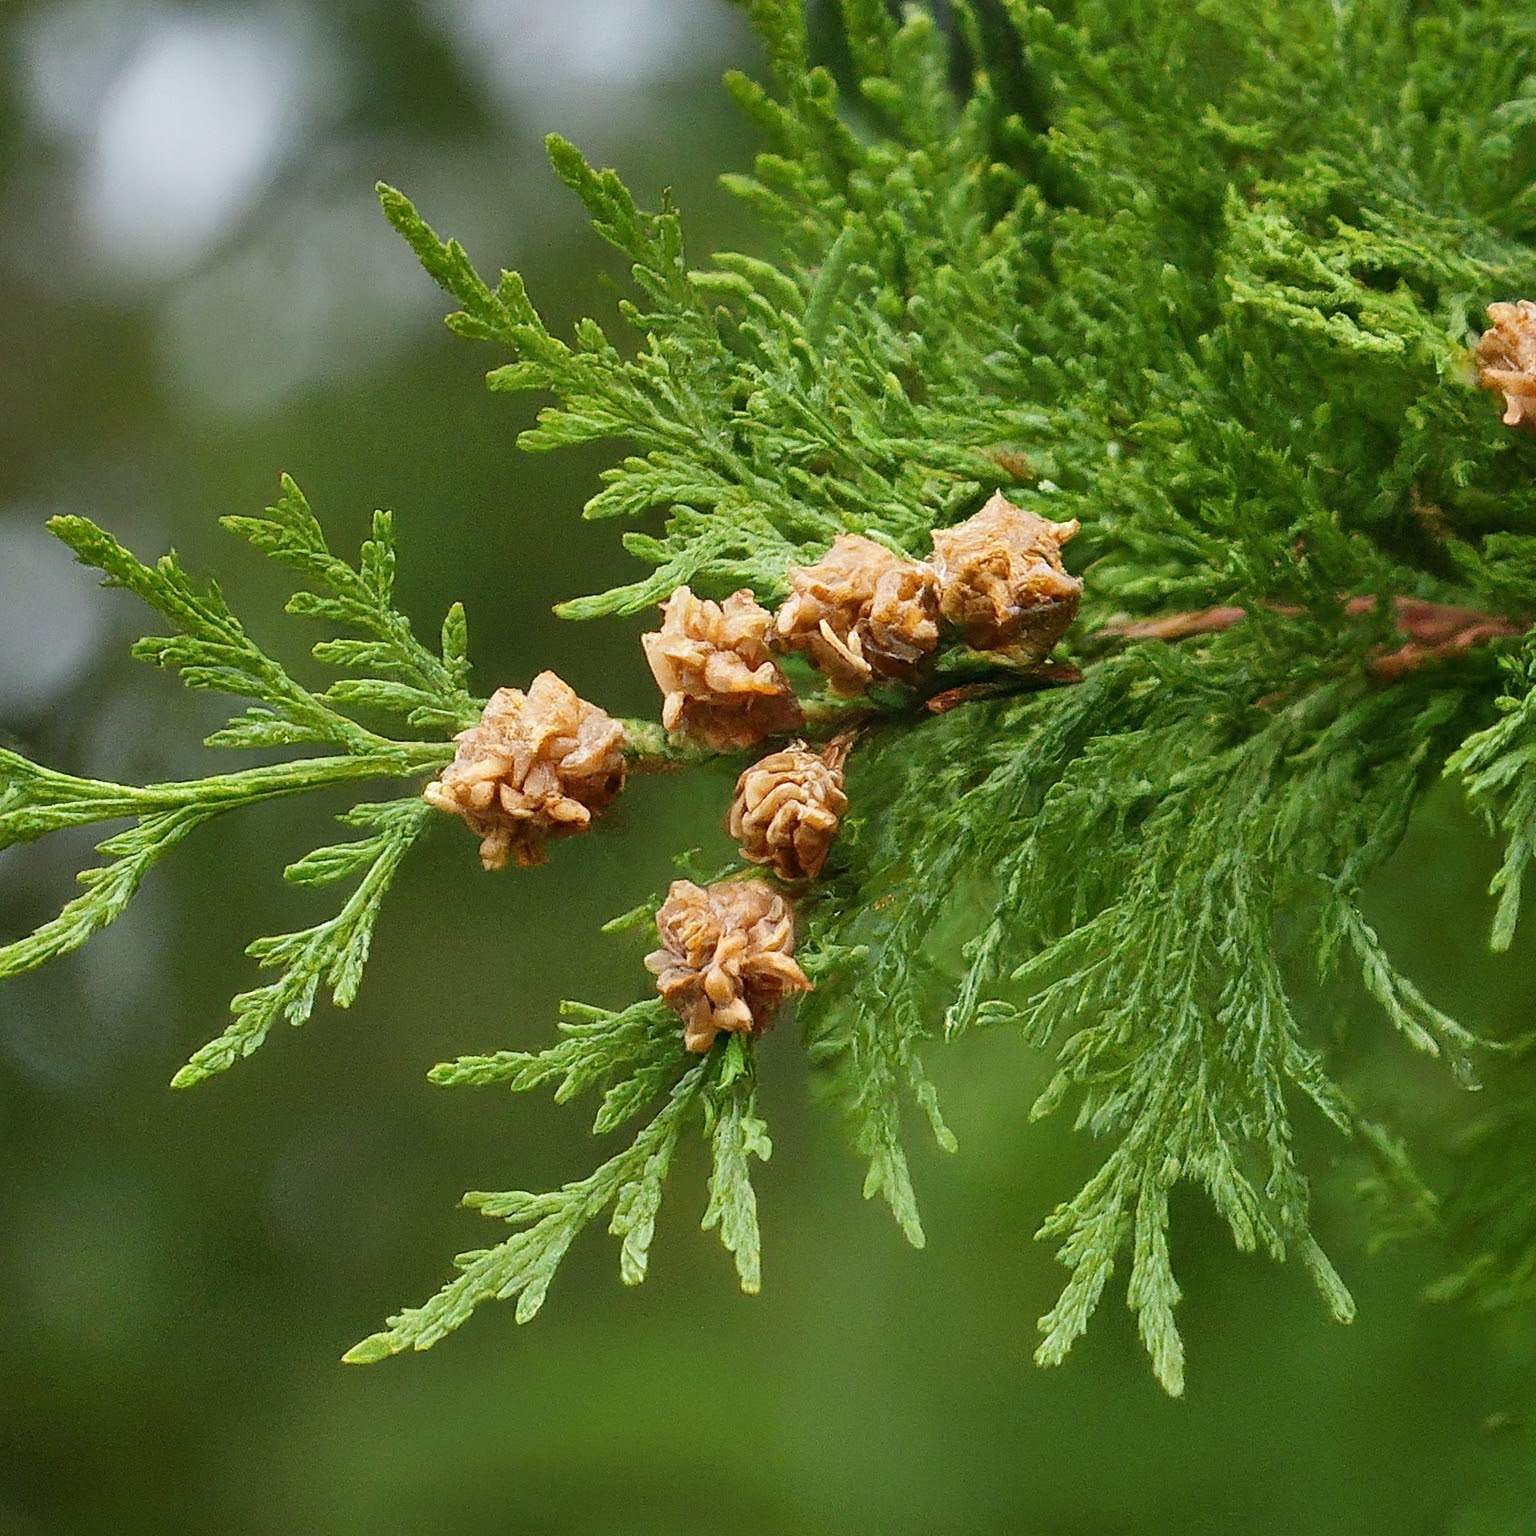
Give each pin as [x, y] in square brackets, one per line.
[197, 291]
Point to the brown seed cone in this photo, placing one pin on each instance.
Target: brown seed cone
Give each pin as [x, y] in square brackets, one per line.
[1002, 583]
[1506, 360]
[726, 961]
[860, 613]
[539, 765]
[787, 810]
[711, 662]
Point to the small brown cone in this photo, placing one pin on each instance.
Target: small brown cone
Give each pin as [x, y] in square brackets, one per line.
[787, 810]
[726, 961]
[722, 688]
[1506, 360]
[1002, 583]
[860, 613]
[539, 765]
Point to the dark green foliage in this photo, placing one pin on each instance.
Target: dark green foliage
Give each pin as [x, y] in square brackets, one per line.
[1203, 277]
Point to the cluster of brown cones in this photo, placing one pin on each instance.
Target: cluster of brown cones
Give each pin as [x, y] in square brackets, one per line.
[862, 615]
[540, 765]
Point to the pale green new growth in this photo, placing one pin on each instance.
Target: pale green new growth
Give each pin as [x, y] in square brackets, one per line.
[212, 650]
[1203, 278]
[736, 1137]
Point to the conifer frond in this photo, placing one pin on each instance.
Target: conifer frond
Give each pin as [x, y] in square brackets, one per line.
[868, 384]
[1207, 289]
[1138, 841]
[635, 1054]
[1203, 280]
[212, 650]
[332, 953]
[736, 1136]
[407, 678]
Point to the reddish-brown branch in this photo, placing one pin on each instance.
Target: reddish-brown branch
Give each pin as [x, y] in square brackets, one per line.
[1176, 626]
[1430, 631]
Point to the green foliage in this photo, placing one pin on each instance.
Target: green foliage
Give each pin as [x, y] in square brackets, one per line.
[405, 677]
[1207, 287]
[1139, 841]
[212, 650]
[333, 952]
[634, 1055]
[1203, 278]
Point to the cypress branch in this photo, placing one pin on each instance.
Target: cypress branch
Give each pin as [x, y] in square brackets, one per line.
[1207, 284]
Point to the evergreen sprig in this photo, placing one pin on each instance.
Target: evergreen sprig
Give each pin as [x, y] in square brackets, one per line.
[1063, 277]
[1204, 279]
[211, 650]
[331, 953]
[635, 1053]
